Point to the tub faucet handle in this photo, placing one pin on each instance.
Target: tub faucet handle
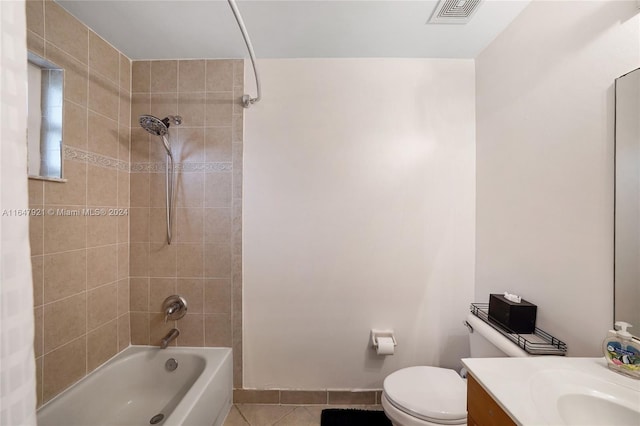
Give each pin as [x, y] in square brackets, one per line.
[174, 307]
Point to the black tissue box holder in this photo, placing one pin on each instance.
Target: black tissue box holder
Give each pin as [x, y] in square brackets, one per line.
[517, 317]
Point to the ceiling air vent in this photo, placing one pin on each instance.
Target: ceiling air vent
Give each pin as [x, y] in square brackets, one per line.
[454, 11]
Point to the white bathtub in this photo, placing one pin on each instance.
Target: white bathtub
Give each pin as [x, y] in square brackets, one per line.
[135, 386]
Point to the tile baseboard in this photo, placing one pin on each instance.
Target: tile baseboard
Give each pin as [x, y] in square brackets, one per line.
[307, 397]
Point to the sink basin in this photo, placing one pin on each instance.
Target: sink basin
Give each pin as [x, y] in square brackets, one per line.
[581, 409]
[574, 398]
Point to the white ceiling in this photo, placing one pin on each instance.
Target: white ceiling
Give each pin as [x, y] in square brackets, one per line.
[184, 29]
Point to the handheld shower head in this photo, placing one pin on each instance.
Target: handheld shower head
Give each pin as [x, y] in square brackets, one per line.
[158, 127]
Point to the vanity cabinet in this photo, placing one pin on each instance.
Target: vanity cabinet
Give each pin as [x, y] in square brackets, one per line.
[482, 409]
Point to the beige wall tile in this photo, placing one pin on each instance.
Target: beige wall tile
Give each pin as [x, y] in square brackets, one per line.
[102, 305]
[190, 187]
[217, 225]
[63, 367]
[102, 344]
[303, 397]
[63, 233]
[238, 105]
[66, 32]
[192, 289]
[217, 145]
[191, 107]
[125, 73]
[217, 189]
[164, 76]
[103, 135]
[237, 128]
[217, 296]
[104, 96]
[162, 260]
[103, 58]
[36, 233]
[238, 72]
[139, 259]
[124, 140]
[139, 290]
[102, 265]
[37, 274]
[139, 190]
[65, 274]
[191, 76]
[35, 16]
[64, 321]
[189, 145]
[123, 229]
[189, 225]
[73, 191]
[39, 382]
[74, 129]
[123, 189]
[157, 187]
[190, 260]
[102, 186]
[164, 104]
[36, 192]
[253, 396]
[218, 109]
[38, 341]
[140, 105]
[217, 330]
[75, 74]
[35, 43]
[158, 225]
[219, 75]
[139, 144]
[102, 230]
[124, 331]
[140, 76]
[159, 290]
[139, 223]
[159, 329]
[352, 397]
[191, 328]
[123, 296]
[124, 113]
[139, 323]
[217, 260]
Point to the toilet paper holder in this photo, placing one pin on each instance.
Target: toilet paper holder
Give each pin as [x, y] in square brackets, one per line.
[375, 334]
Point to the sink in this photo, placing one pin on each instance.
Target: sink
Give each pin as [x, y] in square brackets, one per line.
[571, 397]
[583, 409]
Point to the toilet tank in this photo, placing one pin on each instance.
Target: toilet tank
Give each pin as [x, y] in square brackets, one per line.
[487, 342]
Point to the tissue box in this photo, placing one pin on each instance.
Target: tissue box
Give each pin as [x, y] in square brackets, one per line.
[518, 317]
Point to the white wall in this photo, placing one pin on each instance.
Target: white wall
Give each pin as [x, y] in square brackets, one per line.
[545, 115]
[358, 213]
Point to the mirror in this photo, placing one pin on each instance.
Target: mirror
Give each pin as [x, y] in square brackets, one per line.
[44, 118]
[627, 201]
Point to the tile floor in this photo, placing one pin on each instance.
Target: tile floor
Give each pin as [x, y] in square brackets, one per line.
[282, 415]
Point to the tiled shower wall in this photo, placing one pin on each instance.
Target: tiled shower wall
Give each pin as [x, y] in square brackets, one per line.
[203, 263]
[81, 263]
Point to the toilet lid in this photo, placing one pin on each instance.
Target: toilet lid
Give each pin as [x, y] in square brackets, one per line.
[429, 393]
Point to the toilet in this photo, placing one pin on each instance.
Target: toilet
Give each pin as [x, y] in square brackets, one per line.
[430, 396]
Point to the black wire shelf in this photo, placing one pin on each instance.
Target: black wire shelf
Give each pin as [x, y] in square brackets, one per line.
[538, 343]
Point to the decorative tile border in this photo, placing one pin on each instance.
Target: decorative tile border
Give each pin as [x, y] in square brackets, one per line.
[187, 167]
[307, 397]
[75, 154]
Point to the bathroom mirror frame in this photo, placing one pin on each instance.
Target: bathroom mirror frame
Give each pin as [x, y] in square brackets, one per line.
[45, 146]
[626, 276]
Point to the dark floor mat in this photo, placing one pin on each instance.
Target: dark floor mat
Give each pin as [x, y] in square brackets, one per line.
[350, 417]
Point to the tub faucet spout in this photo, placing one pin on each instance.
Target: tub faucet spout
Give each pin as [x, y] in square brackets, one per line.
[171, 335]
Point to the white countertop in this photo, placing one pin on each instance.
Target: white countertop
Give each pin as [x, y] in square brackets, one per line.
[509, 382]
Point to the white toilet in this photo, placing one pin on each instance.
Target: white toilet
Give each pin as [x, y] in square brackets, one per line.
[430, 396]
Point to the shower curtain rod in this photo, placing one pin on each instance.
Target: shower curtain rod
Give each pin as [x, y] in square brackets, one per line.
[247, 100]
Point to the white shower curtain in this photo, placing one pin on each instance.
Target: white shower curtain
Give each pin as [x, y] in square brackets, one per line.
[17, 363]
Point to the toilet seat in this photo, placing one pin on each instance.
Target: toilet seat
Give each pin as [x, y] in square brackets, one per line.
[435, 395]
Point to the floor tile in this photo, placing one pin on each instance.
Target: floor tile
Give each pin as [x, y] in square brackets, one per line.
[263, 414]
[234, 418]
[300, 417]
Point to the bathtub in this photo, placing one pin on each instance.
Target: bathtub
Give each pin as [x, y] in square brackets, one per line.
[136, 388]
